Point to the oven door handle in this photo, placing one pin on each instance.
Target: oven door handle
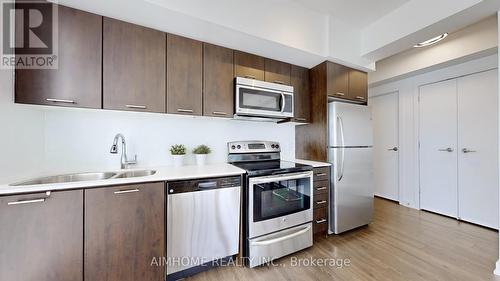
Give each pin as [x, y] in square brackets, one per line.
[282, 177]
[279, 239]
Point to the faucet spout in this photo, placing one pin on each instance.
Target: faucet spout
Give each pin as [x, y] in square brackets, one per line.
[124, 162]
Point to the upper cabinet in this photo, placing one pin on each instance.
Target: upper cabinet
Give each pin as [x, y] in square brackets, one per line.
[358, 85]
[218, 88]
[249, 66]
[302, 97]
[134, 67]
[77, 80]
[184, 75]
[277, 72]
[346, 83]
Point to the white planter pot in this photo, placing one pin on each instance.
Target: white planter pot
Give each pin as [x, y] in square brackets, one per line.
[178, 160]
[201, 159]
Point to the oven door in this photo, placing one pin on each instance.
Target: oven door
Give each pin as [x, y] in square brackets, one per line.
[255, 101]
[278, 202]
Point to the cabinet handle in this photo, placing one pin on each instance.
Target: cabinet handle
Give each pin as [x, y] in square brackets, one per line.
[320, 188]
[127, 191]
[60, 100]
[300, 119]
[184, 110]
[250, 76]
[340, 94]
[279, 82]
[31, 201]
[321, 221]
[136, 106]
[360, 98]
[219, 113]
[321, 202]
[321, 174]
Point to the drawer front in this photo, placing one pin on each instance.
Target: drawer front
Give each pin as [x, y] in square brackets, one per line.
[321, 200]
[321, 174]
[320, 187]
[320, 221]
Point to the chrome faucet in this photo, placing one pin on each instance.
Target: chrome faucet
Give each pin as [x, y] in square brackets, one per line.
[114, 150]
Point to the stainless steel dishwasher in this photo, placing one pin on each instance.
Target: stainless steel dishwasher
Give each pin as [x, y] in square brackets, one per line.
[203, 223]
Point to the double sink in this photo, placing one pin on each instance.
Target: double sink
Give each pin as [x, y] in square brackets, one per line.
[86, 177]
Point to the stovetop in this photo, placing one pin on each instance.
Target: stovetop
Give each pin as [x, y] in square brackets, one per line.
[264, 168]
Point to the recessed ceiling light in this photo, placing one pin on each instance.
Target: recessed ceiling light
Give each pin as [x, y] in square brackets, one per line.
[431, 41]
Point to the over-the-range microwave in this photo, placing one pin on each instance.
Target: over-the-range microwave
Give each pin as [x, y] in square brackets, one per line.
[254, 98]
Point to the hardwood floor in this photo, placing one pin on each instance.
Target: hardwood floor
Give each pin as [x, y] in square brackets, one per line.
[401, 244]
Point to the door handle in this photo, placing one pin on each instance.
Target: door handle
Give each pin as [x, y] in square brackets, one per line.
[465, 150]
[282, 102]
[393, 149]
[449, 149]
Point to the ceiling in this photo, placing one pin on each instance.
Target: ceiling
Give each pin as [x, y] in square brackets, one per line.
[359, 13]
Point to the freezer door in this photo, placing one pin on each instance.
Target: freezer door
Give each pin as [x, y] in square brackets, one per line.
[351, 194]
[349, 125]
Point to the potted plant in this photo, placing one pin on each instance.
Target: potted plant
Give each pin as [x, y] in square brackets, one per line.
[178, 152]
[201, 152]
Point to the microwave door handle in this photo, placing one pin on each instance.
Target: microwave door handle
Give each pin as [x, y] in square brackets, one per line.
[282, 102]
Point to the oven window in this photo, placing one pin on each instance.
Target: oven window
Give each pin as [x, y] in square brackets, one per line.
[275, 199]
[256, 99]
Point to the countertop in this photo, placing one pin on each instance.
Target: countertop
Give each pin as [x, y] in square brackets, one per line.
[166, 173]
[315, 164]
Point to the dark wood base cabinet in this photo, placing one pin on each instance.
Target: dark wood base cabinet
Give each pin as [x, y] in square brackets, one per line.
[321, 186]
[124, 231]
[41, 237]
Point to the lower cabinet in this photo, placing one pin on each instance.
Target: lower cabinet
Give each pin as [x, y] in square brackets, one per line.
[41, 237]
[321, 184]
[124, 232]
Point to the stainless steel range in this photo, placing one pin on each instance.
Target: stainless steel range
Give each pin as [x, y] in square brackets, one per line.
[278, 203]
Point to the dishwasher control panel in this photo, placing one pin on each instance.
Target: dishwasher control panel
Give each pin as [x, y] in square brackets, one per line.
[202, 184]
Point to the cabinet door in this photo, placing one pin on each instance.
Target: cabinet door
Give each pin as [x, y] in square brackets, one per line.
[358, 85]
[277, 72]
[77, 80]
[218, 83]
[302, 98]
[124, 231]
[134, 67]
[478, 148]
[184, 75]
[248, 65]
[438, 148]
[41, 237]
[337, 80]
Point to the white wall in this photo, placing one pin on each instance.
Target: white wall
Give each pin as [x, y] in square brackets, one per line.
[38, 140]
[408, 118]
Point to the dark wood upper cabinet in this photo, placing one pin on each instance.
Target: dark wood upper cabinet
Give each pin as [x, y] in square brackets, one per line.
[77, 80]
[277, 72]
[358, 85]
[249, 66]
[337, 80]
[302, 97]
[184, 75]
[218, 82]
[134, 67]
[124, 231]
[41, 237]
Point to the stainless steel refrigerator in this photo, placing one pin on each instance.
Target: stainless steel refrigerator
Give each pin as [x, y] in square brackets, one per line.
[350, 150]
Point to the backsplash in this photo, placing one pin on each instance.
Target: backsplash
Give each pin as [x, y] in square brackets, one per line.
[39, 140]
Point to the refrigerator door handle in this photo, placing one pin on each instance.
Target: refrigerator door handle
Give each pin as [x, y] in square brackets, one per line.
[342, 145]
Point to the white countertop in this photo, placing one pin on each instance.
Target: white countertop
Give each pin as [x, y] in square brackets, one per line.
[166, 173]
[315, 164]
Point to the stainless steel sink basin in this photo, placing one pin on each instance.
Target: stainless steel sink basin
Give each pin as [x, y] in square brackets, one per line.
[135, 174]
[67, 178]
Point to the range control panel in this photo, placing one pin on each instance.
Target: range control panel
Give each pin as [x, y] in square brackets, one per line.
[253, 146]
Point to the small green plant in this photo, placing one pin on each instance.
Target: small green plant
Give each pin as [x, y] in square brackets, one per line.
[201, 149]
[178, 149]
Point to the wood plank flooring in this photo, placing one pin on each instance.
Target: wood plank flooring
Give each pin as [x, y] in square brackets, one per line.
[401, 244]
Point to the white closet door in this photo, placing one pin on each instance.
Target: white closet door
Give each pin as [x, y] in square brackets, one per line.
[478, 133]
[438, 145]
[385, 145]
